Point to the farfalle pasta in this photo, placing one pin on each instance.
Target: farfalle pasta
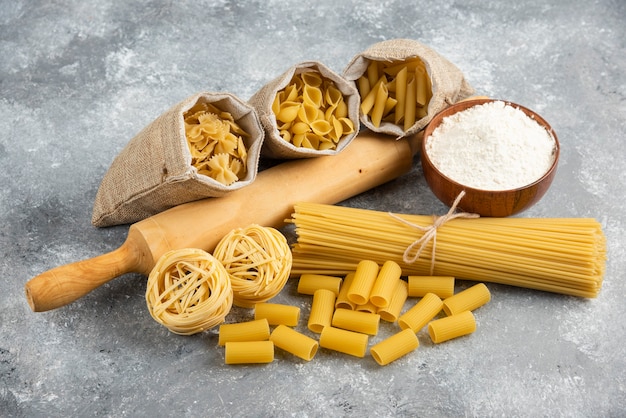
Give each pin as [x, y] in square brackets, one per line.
[205, 146]
[307, 111]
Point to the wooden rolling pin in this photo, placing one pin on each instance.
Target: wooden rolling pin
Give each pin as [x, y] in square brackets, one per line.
[370, 160]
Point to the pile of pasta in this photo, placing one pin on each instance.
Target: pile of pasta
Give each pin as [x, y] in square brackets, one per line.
[397, 92]
[311, 112]
[216, 143]
[346, 313]
[190, 290]
[561, 255]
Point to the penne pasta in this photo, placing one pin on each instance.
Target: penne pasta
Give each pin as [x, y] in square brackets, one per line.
[344, 341]
[453, 326]
[277, 314]
[422, 312]
[322, 309]
[394, 347]
[467, 300]
[249, 352]
[358, 321]
[257, 330]
[294, 342]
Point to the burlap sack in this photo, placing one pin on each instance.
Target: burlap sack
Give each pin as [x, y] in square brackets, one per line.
[274, 145]
[154, 172]
[448, 82]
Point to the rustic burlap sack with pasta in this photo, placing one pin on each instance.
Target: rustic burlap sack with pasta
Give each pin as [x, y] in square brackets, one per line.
[154, 171]
[448, 82]
[275, 146]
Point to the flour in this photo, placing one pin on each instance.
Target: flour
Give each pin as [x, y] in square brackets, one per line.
[493, 146]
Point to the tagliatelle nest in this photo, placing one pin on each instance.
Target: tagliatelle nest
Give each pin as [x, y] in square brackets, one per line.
[258, 260]
[188, 291]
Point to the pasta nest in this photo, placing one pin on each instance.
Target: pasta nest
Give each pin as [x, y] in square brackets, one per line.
[258, 260]
[188, 291]
[216, 143]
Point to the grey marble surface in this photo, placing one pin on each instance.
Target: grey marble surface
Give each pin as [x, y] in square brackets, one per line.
[78, 79]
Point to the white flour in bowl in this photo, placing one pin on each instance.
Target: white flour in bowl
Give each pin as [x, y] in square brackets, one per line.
[493, 146]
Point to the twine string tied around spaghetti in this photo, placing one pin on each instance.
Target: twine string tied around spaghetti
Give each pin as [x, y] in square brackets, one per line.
[430, 232]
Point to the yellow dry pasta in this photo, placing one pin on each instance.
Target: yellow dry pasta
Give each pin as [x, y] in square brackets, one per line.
[257, 330]
[249, 352]
[216, 144]
[277, 314]
[344, 341]
[562, 255]
[397, 92]
[358, 321]
[422, 312]
[453, 326]
[311, 112]
[322, 309]
[258, 261]
[309, 283]
[467, 300]
[342, 298]
[294, 342]
[363, 282]
[385, 284]
[394, 347]
[391, 312]
[367, 307]
[442, 286]
[188, 291]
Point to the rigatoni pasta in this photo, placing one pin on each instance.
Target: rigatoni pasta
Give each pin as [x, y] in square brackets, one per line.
[385, 283]
[344, 341]
[294, 342]
[277, 314]
[391, 312]
[309, 283]
[359, 321]
[453, 326]
[363, 282]
[442, 286]
[342, 298]
[249, 352]
[467, 300]
[257, 330]
[322, 309]
[422, 312]
[394, 347]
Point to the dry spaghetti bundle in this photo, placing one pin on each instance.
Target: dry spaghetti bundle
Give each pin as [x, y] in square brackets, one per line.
[562, 255]
[188, 291]
[258, 260]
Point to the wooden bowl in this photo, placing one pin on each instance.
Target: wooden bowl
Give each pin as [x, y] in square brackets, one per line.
[498, 203]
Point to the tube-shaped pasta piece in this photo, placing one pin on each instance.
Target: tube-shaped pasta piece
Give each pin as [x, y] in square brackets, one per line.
[257, 330]
[249, 352]
[358, 321]
[367, 102]
[372, 72]
[421, 80]
[422, 312]
[344, 341]
[453, 326]
[294, 342]
[392, 311]
[394, 347]
[400, 94]
[467, 300]
[367, 307]
[442, 286]
[322, 309]
[277, 314]
[364, 85]
[342, 298]
[364, 278]
[309, 283]
[409, 104]
[379, 104]
[385, 283]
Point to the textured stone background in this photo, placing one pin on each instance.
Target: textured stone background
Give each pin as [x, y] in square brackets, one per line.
[78, 79]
